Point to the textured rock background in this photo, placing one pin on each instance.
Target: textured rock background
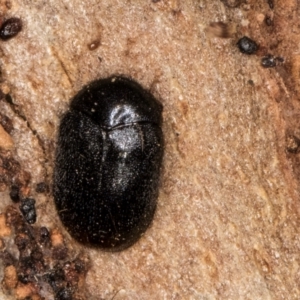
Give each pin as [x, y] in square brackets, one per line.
[227, 223]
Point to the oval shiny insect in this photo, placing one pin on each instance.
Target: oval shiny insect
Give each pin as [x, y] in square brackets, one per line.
[108, 160]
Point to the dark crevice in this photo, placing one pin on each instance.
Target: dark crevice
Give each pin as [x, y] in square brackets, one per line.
[15, 108]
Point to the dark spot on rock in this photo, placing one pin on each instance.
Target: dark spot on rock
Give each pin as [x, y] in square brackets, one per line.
[292, 144]
[22, 241]
[27, 208]
[60, 252]
[271, 3]
[56, 278]
[26, 264]
[279, 59]
[9, 169]
[37, 255]
[232, 3]
[7, 258]
[10, 28]
[94, 45]
[269, 61]
[9, 100]
[247, 46]
[2, 95]
[6, 123]
[34, 262]
[24, 278]
[79, 266]
[269, 21]
[14, 193]
[64, 294]
[44, 235]
[41, 187]
[27, 269]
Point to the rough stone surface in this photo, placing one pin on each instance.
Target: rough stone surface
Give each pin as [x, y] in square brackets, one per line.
[227, 223]
[6, 141]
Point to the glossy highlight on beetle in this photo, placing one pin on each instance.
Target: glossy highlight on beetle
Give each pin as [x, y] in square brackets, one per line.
[108, 160]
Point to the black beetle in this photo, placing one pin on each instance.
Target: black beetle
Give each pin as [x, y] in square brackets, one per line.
[108, 160]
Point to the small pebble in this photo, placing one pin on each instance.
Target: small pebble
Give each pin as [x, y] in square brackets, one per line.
[14, 193]
[94, 45]
[27, 208]
[269, 21]
[247, 46]
[44, 235]
[268, 61]
[271, 61]
[10, 28]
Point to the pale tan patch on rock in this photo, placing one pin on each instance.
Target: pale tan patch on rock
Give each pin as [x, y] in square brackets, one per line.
[56, 238]
[4, 229]
[24, 290]
[6, 142]
[10, 279]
